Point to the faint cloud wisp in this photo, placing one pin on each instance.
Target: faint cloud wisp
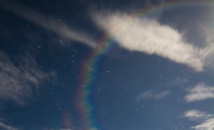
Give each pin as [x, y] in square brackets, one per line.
[48, 23]
[151, 95]
[195, 115]
[199, 92]
[206, 120]
[18, 82]
[4, 126]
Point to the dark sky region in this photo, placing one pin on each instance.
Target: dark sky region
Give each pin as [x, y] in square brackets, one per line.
[106, 65]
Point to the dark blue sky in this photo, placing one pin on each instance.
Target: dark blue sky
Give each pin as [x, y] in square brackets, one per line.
[106, 65]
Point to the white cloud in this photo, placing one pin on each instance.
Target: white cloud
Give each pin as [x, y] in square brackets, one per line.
[48, 23]
[4, 126]
[151, 95]
[206, 125]
[200, 92]
[149, 36]
[19, 81]
[206, 120]
[196, 115]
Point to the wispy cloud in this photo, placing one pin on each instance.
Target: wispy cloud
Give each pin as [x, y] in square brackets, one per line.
[209, 51]
[4, 126]
[199, 92]
[151, 95]
[149, 36]
[19, 81]
[48, 23]
[196, 115]
[178, 81]
[206, 120]
[206, 125]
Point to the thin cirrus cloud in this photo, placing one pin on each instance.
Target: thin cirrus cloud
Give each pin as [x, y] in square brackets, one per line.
[206, 125]
[208, 32]
[149, 36]
[200, 92]
[4, 126]
[196, 115]
[48, 23]
[151, 95]
[206, 120]
[20, 81]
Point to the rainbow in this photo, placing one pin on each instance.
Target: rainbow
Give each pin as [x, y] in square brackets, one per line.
[84, 101]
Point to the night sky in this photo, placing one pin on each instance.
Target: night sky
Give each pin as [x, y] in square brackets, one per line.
[106, 65]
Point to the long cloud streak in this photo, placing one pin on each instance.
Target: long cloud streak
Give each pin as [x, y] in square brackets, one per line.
[48, 23]
[149, 36]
